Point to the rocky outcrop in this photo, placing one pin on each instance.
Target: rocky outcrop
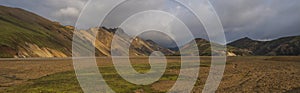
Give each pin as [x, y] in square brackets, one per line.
[33, 50]
[103, 43]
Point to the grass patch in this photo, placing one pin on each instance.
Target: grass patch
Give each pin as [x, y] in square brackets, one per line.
[56, 83]
[66, 82]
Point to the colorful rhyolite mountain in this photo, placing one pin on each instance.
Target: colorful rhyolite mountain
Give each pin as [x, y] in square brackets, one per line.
[24, 34]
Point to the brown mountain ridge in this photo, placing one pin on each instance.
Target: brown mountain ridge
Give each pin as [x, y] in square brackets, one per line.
[286, 46]
[24, 34]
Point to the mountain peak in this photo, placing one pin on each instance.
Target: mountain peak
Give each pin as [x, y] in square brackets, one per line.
[198, 39]
[112, 30]
[246, 39]
[201, 40]
[150, 41]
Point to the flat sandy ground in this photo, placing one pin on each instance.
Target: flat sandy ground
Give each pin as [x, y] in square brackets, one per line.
[242, 74]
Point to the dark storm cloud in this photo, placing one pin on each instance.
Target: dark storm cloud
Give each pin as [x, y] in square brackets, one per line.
[257, 19]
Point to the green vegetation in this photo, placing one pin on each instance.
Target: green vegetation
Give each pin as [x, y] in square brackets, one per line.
[19, 27]
[60, 82]
[286, 46]
[5, 55]
[15, 32]
[67, 82]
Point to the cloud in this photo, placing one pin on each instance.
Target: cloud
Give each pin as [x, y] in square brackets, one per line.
[163, 40]
[156, 20]
[258, 19]
[69, 11]
[67, 15]
[63, 11]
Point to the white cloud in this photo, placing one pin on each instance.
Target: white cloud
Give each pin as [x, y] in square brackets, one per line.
[67, 15]
[67, 12]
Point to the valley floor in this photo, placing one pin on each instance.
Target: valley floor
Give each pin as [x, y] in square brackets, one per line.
[242, 74]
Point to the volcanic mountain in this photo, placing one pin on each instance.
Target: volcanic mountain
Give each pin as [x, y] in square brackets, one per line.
[286, 46]
[25, 34]
[204, 49]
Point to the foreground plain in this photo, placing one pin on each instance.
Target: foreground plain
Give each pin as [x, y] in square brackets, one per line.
[242, 74]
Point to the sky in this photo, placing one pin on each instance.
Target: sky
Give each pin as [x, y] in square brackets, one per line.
[257, 19]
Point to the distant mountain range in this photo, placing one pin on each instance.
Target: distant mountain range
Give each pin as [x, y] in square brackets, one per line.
[287, 46]
[204, 49]
[25, 34]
